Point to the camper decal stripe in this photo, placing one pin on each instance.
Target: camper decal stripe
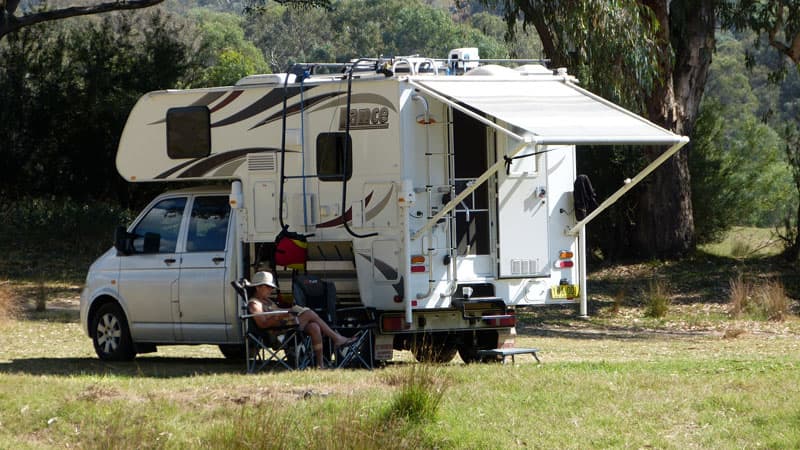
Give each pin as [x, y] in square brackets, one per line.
[203, 166]
[379, 207]
[348, 216]
[176, 168]
[295, 108]
[208, 99]
[272, 98]
[227, 100]
[389, 272]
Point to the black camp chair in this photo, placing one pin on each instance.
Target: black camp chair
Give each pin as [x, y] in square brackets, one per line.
[274, 347]
[312, 292]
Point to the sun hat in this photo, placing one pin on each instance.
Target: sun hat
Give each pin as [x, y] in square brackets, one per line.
[262, 278]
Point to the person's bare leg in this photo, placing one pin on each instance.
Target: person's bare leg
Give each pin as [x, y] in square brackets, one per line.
[312, 329]
[312, 317]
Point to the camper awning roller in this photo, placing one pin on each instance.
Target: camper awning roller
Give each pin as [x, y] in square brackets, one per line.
[551, 112]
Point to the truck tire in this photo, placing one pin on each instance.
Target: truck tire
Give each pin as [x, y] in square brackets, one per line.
[234, 352]
[110, 334]
[433, 349]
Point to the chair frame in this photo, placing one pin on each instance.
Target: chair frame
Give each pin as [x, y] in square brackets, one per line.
[293, 350]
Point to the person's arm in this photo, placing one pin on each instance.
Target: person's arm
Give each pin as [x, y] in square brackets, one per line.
[268, 320]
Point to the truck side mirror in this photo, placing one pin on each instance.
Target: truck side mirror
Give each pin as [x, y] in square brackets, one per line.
[122, 241]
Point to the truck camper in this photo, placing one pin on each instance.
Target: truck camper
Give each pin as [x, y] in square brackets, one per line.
[439, 201]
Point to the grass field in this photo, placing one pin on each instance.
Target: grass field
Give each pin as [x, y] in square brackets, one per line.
[694, 378]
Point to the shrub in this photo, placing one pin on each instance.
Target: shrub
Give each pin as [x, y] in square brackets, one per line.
[767, 301]
[658, 301]
[9, 307]
[420, 394]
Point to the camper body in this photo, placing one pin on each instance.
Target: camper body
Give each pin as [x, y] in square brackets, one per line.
[422, 197]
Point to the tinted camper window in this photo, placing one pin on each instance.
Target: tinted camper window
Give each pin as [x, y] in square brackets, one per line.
[188, 132]
[331, 148]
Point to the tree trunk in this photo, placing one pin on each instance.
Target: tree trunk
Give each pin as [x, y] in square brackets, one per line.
[665, 226]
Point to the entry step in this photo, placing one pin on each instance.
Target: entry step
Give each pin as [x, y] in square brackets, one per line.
[509, 352]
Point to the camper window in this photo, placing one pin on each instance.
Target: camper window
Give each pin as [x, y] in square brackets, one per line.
[331, 151]
[188, 132]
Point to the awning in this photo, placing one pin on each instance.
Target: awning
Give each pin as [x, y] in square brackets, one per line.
[550, 111]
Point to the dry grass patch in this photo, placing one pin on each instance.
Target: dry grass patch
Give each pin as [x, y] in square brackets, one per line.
[764, 301]
[9, 306]
[658, 299]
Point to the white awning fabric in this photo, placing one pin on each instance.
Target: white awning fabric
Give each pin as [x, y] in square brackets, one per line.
[549, 111]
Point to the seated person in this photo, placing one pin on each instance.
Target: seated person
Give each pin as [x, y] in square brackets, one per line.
[306, 320]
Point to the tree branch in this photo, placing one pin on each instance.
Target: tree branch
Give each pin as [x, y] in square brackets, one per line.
[10, 23]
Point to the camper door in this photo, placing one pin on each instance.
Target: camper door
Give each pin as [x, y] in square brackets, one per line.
[523, 247]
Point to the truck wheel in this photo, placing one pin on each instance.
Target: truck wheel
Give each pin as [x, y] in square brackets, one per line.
[234, 352]
[429, 350]
[469, 354]
[110, 334]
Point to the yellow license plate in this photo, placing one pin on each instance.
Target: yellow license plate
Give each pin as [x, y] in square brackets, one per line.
[564, 291]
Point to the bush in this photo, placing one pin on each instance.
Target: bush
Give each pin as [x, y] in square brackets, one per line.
[9, 307]
[767, 301]
[420, 395]
[658, 301]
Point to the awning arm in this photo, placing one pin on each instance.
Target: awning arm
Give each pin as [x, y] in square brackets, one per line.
[478, 182]
[466, 111]
[625, 188]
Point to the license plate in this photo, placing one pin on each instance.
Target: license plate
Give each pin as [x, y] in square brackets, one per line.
[564, 291]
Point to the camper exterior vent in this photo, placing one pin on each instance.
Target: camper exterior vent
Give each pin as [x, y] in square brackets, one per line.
[263, 162]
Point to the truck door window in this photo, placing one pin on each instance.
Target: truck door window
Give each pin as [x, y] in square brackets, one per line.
[160, 226]
[208, 225]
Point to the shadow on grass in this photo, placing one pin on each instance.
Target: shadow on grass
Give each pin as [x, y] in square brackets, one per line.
[148, 367]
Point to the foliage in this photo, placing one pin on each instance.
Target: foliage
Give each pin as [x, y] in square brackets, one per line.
[791, 229]
[420, 396]
[610, 46]
[778, 20]
[64, 96]
[761, 301]
[225, 55]
[658, 300]
[368, 28]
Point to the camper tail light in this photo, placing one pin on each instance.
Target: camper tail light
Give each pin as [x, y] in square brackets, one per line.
[564, 260]
[393, 323]
[418, 264]
[500, 320]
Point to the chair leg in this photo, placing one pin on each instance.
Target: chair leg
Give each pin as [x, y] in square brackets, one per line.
[358, 352]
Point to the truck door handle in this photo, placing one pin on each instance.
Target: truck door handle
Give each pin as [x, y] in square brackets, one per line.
[218, 260]
[169, 261]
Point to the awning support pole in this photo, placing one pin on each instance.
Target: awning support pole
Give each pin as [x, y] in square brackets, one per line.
[625, 188]
[584, 306]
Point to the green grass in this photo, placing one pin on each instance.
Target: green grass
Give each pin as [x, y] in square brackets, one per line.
[746, 242]
[695, 377]
[592, 390]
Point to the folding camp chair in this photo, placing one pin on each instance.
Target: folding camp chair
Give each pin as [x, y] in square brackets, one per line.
[320, 295]
[274, 347]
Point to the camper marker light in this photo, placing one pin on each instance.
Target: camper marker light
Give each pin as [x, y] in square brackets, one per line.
[564, 254]
[564, 264]
[417, 259]
[417, 269]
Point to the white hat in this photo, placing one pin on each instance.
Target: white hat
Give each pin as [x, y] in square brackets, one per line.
[262, 278]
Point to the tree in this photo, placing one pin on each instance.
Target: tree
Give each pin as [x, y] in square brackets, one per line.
[779, 21]
[649, 55]
[11, 20]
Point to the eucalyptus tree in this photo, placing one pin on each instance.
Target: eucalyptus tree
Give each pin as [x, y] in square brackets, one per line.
[12, 18]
